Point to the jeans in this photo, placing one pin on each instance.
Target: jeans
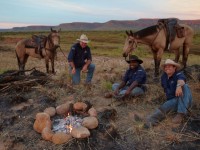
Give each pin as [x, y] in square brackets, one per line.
[135, 92]
[178, 104]
[77, 76]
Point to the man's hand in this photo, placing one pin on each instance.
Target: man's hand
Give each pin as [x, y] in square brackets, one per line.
[127, 92]
[73, 70]
[116, 92]
[179, 91]
[84, 69]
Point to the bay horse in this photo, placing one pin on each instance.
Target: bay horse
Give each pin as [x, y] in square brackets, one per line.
[155, 37]
[48, 52]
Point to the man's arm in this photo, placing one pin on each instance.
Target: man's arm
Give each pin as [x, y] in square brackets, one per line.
[131, 87]
[88, 62]
[122, 84]
[179, 91]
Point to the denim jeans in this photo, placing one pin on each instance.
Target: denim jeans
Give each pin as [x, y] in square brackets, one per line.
[135, 92]
[76, 78]
[178, 104]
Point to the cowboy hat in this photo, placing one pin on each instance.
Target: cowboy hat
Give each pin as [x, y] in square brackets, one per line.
[83, 38]
[134, 58]
[170, 62]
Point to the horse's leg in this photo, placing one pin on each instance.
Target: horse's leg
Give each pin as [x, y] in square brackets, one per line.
[47, 64]
[185, 55]
[52, 65]
[21, 64]
[177, 55]
[157, 59]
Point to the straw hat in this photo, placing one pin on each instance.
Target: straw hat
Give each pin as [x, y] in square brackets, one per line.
[83, 38]
[170, 62]
[134, 58]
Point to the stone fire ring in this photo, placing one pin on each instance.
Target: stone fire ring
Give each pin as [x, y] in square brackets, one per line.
[43, 123]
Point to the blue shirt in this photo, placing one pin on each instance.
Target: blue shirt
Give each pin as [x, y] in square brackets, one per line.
[79, 55]
[138, 74]
[169, 84]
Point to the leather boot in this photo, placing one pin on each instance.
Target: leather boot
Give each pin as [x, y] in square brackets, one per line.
[154, 119]
[178, 118]
[108, 95]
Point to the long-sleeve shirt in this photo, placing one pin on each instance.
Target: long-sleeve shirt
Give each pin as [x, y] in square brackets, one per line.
[138, 74]
[169, 84]
[79, 55]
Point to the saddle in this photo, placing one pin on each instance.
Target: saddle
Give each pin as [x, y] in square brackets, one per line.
[37, 42]
[172, 28]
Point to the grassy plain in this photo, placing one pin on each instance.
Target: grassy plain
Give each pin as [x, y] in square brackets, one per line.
[110, 65]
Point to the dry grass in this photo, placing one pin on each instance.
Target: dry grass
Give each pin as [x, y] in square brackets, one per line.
[109, 70]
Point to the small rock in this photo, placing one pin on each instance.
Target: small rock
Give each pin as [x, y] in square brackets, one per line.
[51, 111]
[61, 137]
[80, 132]
[47, 134]
[42, 121]
[90, 122]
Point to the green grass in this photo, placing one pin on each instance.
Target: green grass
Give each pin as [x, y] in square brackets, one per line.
[105, 43]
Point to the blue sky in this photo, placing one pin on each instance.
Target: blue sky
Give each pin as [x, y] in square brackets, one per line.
[17, 13]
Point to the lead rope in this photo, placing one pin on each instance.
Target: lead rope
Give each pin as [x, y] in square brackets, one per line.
[62, 52]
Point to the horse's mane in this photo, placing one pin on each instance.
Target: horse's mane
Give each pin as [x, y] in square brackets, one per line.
[146, 31]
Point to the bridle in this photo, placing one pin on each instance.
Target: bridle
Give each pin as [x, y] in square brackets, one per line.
[132, 43]
[50, 42]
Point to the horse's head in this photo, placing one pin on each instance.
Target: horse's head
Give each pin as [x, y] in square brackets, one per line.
[130, 44]
[54, 38]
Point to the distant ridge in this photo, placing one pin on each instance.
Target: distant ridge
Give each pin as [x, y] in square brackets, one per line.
[110, 25]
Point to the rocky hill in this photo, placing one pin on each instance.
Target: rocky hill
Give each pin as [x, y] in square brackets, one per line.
[110, 25]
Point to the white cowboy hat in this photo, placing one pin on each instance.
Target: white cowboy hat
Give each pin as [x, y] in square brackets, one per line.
[170, 62]
[83, 38]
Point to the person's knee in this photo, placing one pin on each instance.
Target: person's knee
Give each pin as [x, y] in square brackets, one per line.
[114, 86]
[186, 89]
[76, 80]
[92, 66]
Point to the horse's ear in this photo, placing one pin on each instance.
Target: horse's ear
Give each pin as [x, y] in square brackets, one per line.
[51, 30]
[127, 33]
[131, 33]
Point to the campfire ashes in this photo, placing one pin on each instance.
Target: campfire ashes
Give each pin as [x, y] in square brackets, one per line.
[80, 118]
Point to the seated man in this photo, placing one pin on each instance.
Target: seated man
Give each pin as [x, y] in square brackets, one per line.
[178, 94]
[133, 81]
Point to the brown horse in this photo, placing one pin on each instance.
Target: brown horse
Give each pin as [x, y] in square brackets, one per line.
[155, 38]
[52, 42]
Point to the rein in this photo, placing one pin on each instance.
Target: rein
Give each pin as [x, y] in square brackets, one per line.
[62, 52]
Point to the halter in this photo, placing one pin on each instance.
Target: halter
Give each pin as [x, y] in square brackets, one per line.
[51, 44]
[134, 43]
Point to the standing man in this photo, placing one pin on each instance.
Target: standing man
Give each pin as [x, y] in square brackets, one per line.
[133, 81]
[80, 59]
[178, 94]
